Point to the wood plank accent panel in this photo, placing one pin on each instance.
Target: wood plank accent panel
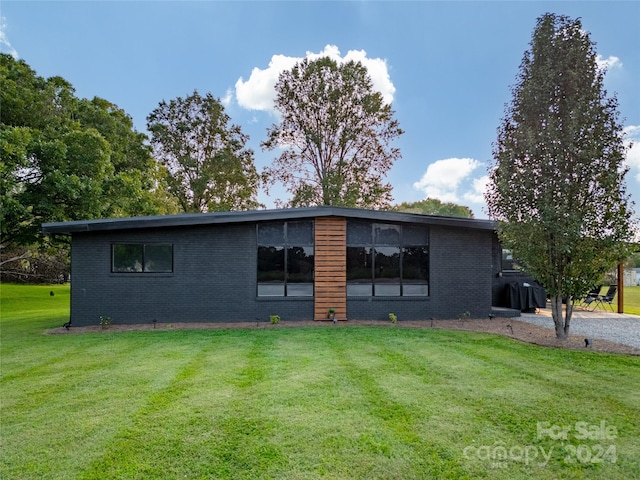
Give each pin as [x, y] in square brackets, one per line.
[330, 250]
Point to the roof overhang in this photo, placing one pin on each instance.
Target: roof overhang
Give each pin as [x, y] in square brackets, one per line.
[213, 218]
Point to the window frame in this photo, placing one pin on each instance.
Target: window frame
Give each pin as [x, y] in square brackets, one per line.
[508, 265]
[290, 241]
[143, 260]
[377, 241]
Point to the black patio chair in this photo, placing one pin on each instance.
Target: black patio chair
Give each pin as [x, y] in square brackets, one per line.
[607, 298]
[590, 300]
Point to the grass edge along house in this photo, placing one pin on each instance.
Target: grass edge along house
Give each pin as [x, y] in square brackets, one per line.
[297, 263]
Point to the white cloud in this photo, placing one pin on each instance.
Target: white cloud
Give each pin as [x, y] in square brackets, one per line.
[608, 63]
[632, 137]
[476, 195]
[632, 131]
[376, 67]
[442, 178]
[5, 44]
[258, 91]
[228, 97]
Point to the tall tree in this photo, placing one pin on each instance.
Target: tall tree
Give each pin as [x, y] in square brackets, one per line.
[558, 183]
[137, 184]
[336, 133]
[209, 167]
[65, 158]
[433, 206]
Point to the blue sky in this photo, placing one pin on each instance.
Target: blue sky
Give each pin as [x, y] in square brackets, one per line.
[447, 67]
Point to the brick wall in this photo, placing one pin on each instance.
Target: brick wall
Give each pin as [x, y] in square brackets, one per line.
[460, 280]
[214, 279]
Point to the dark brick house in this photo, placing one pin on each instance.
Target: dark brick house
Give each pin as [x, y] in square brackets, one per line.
[296, 263]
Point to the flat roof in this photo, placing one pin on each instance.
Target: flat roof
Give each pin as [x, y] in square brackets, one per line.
[195, 219]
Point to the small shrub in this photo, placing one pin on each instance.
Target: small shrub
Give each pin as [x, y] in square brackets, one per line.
[275, 319]
[393, 318]
[105, 321]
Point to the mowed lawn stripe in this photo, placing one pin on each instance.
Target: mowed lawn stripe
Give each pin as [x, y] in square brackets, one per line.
[365, 409]
[571, 374]
[452, 398]
[95, 393]
[496, 395]
[301, 403]
[200, 394]
[513, 391]
[390, 384]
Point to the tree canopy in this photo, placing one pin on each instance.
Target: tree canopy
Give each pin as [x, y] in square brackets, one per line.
[65, 158]
[209, 168]
[433, 206]
[335, 132]
[558, 183]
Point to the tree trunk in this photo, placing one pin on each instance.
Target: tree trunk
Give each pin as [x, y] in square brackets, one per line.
[568, 314]
[560, 321]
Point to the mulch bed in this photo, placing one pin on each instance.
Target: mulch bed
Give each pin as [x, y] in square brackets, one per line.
[518, 330]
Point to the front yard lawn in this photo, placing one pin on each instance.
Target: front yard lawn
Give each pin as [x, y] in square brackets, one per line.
[305, 403]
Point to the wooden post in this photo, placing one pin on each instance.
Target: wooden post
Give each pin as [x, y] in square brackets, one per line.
[620, 288]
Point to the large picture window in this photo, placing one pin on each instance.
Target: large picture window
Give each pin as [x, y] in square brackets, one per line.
[285, 259]
[387, 260]
[141, 258]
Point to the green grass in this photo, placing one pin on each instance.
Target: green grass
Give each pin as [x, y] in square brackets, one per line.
[631, 300]
[302, 403]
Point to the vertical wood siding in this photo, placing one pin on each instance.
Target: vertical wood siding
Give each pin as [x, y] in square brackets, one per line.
[330, 267]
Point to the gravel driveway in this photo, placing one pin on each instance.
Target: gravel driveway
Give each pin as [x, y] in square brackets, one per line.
[616, 327]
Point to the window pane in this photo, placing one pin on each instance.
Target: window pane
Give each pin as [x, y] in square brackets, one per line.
[359, 233]
[300, 264]
[508, 262]
[415, 271]
[409, 290]
[271, 289]
[359, 264]
[270, 265]
[415, 235]
[127, 258]
[359, 289]
[158, 258]
[387, 271]
[387, 290]
[300, 233]
[387, 264]
[386, 234]
[415, 264]
[299, 289]
[271, 234]
[359, 282]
